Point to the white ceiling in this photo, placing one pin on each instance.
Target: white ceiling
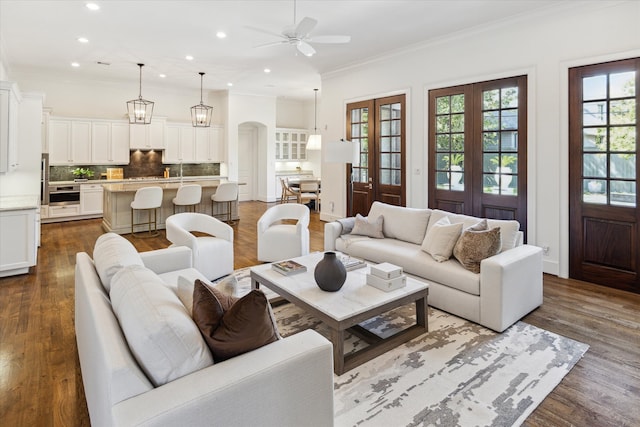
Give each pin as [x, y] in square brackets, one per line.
[40, 37]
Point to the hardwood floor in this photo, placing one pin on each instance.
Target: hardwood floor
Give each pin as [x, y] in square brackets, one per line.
[41, 385]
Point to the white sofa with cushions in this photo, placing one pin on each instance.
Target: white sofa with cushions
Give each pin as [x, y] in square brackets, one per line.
[144, 361]
[507, 287]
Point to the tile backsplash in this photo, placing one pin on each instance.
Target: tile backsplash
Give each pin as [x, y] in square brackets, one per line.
[141, 164]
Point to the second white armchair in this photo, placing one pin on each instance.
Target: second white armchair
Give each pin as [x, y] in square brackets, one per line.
[213, 253]
[278, 240]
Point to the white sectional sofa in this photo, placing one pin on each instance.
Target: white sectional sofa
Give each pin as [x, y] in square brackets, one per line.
[288, 382]
[508, 286]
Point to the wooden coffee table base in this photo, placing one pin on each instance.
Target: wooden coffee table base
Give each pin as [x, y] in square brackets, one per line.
[377, 345]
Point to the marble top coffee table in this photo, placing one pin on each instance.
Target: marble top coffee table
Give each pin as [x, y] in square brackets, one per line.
[346, 308]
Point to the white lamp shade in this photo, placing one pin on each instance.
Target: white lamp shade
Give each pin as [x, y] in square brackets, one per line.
[314, 142]
[341, 152]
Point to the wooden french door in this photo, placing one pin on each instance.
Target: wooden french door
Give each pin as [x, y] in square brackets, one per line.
[377, 127]
[478, 149]
[603, 174]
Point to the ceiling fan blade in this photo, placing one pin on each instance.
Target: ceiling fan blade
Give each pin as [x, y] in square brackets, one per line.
[329, 39]
[260, 30]
[305, 26]
[306, 49]
[272, 44]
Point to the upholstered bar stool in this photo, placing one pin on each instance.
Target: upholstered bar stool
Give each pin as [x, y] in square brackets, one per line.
[188, 196]
[227, 192]
[149, 199]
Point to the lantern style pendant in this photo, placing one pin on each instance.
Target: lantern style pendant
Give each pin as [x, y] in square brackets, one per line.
[201, 114]
[140, 110]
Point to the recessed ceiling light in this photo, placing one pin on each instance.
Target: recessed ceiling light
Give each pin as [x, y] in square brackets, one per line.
[229, 84]
[83, 40]
[162, 76]
[267, 70]
[189, 58]
[75, 64]
[221, 34]
[92, 6]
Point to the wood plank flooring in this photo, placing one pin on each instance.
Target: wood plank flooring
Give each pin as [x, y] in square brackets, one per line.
[41, 385]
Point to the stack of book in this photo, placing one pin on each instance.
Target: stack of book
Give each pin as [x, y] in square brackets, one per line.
[288, 267]
[352, 263]
[387, 277]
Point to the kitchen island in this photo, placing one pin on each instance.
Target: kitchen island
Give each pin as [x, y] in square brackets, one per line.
[117, 198]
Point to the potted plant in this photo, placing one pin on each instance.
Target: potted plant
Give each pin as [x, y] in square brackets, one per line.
[503, 168]
[454, 164]
[82, 174]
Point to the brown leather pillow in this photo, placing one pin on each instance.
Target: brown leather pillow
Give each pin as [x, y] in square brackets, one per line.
[476, 244]
[232, 326]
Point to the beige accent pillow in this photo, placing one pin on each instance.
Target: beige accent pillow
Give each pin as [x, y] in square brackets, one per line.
[441, 238]
[365, 227]
[232, 326]
[475, 244]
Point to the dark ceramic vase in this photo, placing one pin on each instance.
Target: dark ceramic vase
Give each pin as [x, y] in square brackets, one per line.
[330, 273]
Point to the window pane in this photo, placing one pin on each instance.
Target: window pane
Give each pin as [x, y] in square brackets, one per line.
[490, 162]
[594, 87]
[385, 144]
[364, 145]
[385, 160]
[457, 123]
[365, 115]
[490, 120]
[509, 161]
[395, 177]
[491, 99]
[396, 127]
[509, 97]
[385, 112]
[457, 177]
[385, 177]
[396, 111]
[509, 119]
[442, 181]
[623, 112]
[490, 141]
[622, 166]
[594, 165]
[623, 138]
[355, 115]
[509, 188]
[442, 124]
[509, 141]
[364, 129]
[594, 113]
[457, 103]
[457, 142]
[623, 193]
[364, 160]
[396, 143]
[395, 161]
[594, 139]
[622, 84]
[442, 161]
[385, 129]
[594, 191]
[442, 105]
[355, 131]
[489, 184]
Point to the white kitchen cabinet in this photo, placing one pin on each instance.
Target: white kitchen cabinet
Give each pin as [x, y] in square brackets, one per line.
[18, 246]
[109, 143]
[181, 144]
[148, 137]
[209, 144]
[69, 142]
[90, 199]
[9, 104]
[63, 210]
[291, 144]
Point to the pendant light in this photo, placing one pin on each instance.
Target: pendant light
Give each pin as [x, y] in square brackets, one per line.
[140, 110]
[201, 114]
[315, 140]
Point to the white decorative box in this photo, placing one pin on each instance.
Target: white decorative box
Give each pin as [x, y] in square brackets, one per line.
[387, 285]
[386, 271]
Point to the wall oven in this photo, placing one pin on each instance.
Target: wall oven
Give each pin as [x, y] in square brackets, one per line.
[60, 195]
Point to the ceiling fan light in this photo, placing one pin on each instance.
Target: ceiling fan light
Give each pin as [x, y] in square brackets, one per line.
[201, 114]
[140, 110]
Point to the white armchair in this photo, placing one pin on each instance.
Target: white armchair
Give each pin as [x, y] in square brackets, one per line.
[277, 240]
[212, 254]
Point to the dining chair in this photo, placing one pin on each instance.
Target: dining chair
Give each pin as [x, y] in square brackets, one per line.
[309, 190]
[288, 193]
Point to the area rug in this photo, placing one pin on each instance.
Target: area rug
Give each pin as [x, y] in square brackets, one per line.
[457, 374]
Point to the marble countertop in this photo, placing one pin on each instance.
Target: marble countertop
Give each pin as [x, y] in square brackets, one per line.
[134, 185]
[13, 203]
[145, 180]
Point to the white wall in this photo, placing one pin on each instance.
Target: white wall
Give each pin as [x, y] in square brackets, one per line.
[541, 46]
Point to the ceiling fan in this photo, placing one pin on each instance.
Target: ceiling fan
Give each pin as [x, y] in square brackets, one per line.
[300, 35]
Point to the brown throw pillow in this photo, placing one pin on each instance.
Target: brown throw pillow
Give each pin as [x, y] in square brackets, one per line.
[364, 227]
[232, 326]
[474, 246]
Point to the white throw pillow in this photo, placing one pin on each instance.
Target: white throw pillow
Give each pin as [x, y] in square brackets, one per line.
[368, 226]
[111, 253]
[441, 238]
[160, 332]
[402, 223]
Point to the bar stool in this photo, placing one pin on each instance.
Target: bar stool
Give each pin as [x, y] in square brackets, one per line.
[149, 199]
[226, 192]
[188, 196]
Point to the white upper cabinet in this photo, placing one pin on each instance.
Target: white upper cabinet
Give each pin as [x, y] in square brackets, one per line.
[180, 144]
[148, 137]
[110, 143]
[209, 144]
[291, 144]
[9, 104]
[69, 142]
